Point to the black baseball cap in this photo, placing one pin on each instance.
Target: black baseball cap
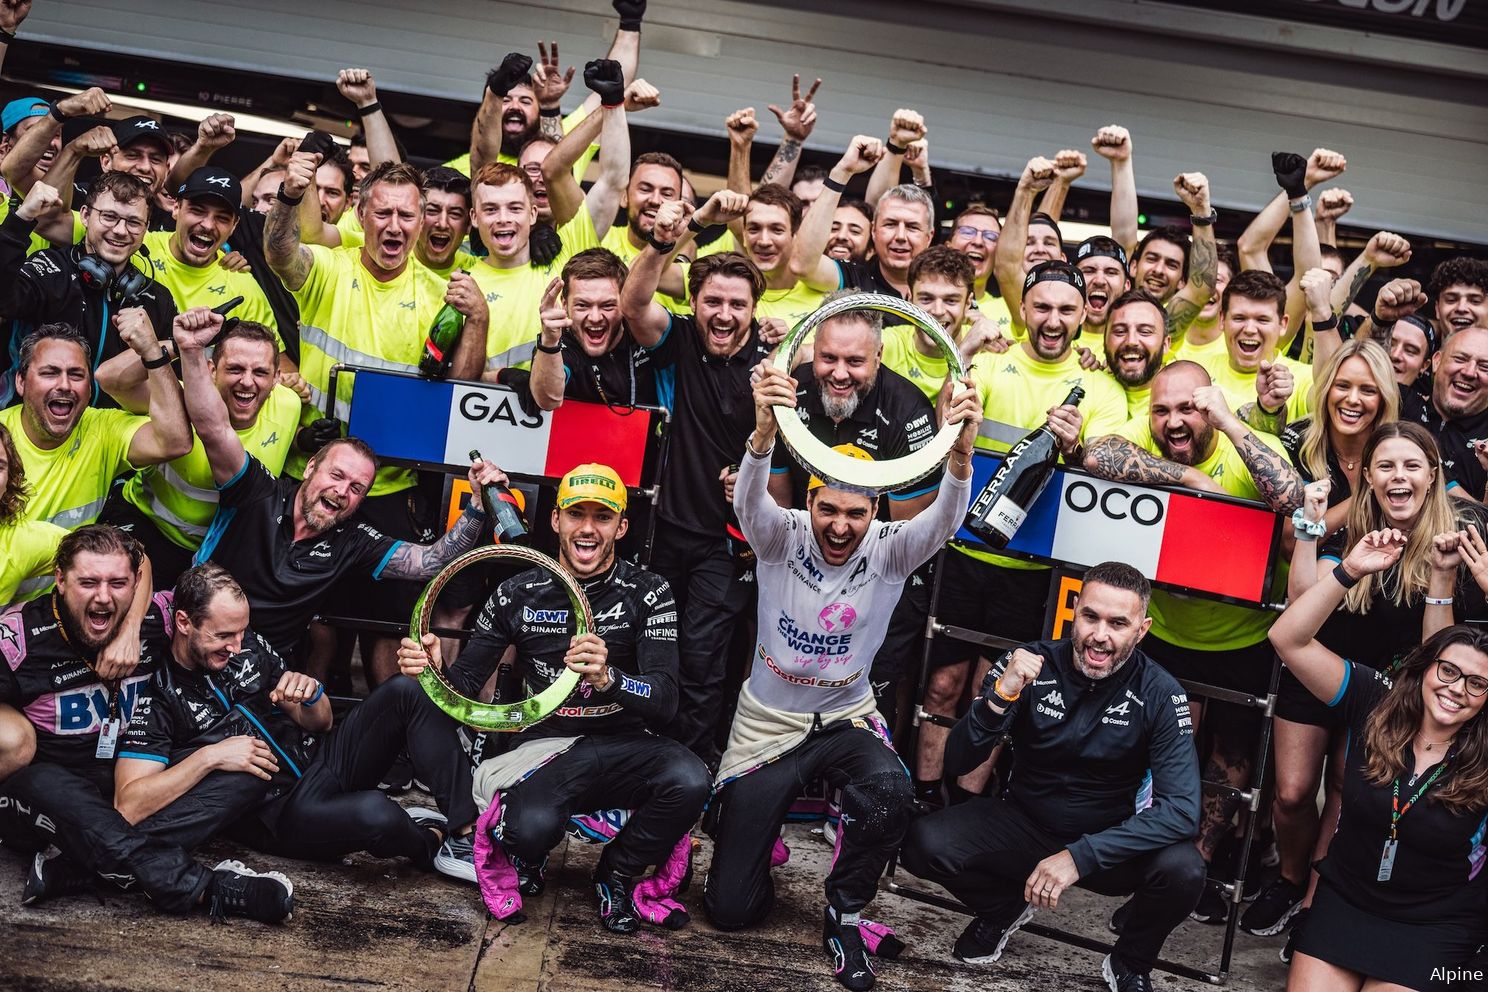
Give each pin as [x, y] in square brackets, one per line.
[134, 129]
[1054, 271]
[212, 181]
[1100, 245]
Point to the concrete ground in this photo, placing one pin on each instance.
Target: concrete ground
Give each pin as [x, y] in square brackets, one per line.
[383, 925]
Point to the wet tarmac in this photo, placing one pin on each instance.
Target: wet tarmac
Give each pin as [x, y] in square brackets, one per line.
[375, 925]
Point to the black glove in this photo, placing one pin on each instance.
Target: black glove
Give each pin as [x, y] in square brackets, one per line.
[605, 77]
[318, 143]
[515, 70]
[631, 12]
[544, 244]
[319, 434]
[1291, 173]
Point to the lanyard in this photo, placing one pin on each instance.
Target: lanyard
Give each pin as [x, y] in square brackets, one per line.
[1397, 812]
[604, 397]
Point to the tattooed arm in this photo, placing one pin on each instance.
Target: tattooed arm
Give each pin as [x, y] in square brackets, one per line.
[782, 168]
[1275, 479]
[424, 561]
[1203, 259]
[287, 256]
[1119, 460]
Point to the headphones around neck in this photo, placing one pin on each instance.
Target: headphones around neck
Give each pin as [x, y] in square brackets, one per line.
[123, 288]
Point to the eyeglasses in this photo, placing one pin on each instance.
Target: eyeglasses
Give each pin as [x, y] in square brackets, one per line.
[1476, 685]
[976, 232]
[108, 218]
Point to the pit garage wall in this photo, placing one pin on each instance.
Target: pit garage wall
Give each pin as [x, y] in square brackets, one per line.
[998, 80]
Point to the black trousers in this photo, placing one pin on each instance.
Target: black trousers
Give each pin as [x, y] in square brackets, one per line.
[746, 818]
[46, 804]
[337, 809]
[664, 785]
[983, 851]
[903, 644]
[704, 580]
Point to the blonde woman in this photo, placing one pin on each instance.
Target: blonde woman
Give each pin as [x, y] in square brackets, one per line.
[1401, 487]
[26, 546]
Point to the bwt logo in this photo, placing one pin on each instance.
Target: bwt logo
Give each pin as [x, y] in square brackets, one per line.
[836, 617]
[1115, 504]
[529, 615]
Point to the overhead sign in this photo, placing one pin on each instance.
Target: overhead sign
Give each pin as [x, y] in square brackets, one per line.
[434, 423]
[1451, 22]
[1214, 545]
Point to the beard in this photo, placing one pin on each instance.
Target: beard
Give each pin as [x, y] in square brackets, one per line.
[1118, 660]
[511, 144]
[1144, 375]
[78, 633]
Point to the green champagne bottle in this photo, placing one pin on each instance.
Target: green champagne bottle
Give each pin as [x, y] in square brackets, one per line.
[439, 346]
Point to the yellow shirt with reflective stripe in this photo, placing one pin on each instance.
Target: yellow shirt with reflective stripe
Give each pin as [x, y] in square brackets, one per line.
[1240, 387]
[900, 353]
[70, 482]
[348, 316]
[27, 548]
[181, 496]
[1017, 391]
[461, 163]
[1189, 621]
[462, 262]
[208, 285]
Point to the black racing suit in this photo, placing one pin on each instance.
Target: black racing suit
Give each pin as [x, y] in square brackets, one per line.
[324, 802]
[1082, 749]
[618, 761]
[65, 796]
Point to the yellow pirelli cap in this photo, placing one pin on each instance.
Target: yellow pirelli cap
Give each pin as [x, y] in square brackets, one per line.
[592, 483]
[852, 451]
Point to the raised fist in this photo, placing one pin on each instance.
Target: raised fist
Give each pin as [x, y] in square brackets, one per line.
[1386, 250]
[1333, 204]
[1274, 386]
[722, 207]
[1022, 668]
[1324, 164]
[1317, 288]
[1193, 189]
[606, 78]
[91, 102]
[906, 126]
[641, 95]
[862, 154]
[1038, 174]
[216, 131]
[742, 126]
[1113, 142]
[357, 86]
[40, 201]
[1291, 173]
[1399, 298]
[1069, 165]
[515, 69]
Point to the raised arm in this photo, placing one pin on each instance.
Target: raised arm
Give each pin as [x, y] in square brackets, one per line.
[1303, 573]
[1275, 479]
[1385, 250]
[565, 195]
[1294, 635]
[167, 434]
[424, 561]
[12, 13]
[766, 524]
[797, 123]
[1331, 205]
[1007, 258]
[547, 381]
[485, 130]
[741, 127]
[279, 157]
[1113, 142]
[1069, 165]
[1203, 258]
[648, 320]
[56, 225]
[214, 133]
[808, 264]
[604, 195]
[20, 163]
[358, 86]
[905, 128]
[194, 331]
[125, 378]
[287, 256]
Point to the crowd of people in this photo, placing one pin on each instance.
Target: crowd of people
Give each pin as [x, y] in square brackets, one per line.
[180, 501]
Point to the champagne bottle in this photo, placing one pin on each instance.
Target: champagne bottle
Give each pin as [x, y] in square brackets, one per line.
[439, 346]
[999, 510]
[501, 508]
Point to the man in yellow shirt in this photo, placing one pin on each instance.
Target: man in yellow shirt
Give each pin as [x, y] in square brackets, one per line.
[446, 223]
[1020, 389]
[188, 260]
[1192, 438]
[1250, 371]
[167, 508]
[975, 234]
[372, 307]
[1136, 345]
[73, 452]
